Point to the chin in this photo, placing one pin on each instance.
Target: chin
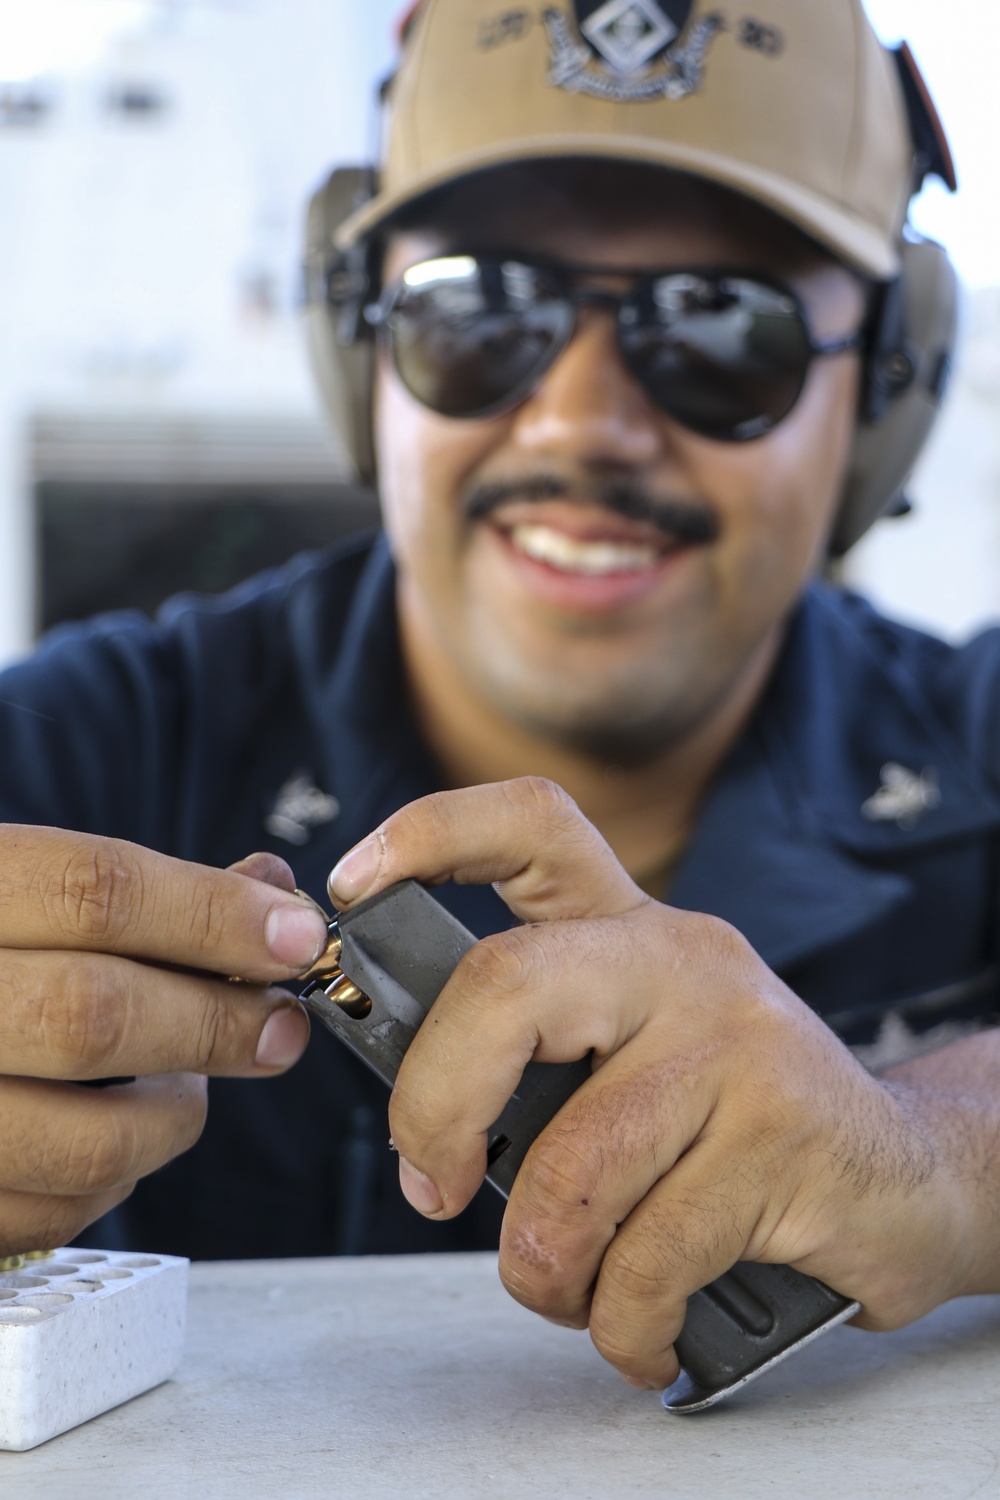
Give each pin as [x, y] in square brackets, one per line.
[614, 722]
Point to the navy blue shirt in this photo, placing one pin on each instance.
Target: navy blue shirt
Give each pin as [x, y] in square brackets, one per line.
[852, 835]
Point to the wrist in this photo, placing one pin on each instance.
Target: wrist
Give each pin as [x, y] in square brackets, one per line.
[946, 1204]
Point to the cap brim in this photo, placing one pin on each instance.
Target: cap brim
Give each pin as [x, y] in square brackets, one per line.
[840, 231]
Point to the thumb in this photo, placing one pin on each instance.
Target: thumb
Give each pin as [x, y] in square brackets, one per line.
[526, 837]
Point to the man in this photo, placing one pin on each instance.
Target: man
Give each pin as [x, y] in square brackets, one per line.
[630, 298]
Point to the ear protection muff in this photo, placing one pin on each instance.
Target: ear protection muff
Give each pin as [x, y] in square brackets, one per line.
[337, 288]
[909, 363]
[911, 349]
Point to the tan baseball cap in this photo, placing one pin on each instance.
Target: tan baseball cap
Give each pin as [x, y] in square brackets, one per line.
[796, 105]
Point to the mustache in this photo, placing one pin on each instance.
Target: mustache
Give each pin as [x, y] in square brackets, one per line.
[683, 521]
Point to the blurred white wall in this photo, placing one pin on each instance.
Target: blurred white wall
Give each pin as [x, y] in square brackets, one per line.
[149, 260]
[940, 567]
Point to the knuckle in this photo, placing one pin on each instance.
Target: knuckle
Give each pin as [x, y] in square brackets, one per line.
[637, 1311]
[408, 834]
[745, 987]
[621, 1346]
[747, 983]
[97, 896]
[717, 939]
[563, 1171]
[220, 1041]
[603, 1137]
[634, 1271]
[99, 1155]
[504, 964]
[732, 948]
[428, 818]
[81, 1019]
[530, 1268]
[547, 803]
[415, 1116]
[205, 917]
[660, 1250]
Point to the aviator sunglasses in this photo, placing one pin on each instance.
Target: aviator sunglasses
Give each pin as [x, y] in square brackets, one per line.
[725, 355]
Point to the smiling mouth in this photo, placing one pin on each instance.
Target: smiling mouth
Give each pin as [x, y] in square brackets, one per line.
[600, 532]
[592, 558]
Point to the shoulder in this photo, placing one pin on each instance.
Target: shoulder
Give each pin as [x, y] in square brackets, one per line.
[317, 587]
[264, 615]
[108, 714]
[955, 685]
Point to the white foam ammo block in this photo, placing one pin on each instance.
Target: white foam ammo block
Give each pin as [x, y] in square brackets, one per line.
[81, 1332]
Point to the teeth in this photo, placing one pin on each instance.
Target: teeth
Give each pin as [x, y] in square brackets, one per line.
[570, 555]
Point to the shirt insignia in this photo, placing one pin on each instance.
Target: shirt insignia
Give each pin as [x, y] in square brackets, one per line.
[300, 807]
[903, 797]
[629, 51]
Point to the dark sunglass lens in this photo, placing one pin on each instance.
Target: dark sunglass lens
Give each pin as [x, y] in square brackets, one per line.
[468, 337]
[725, 356]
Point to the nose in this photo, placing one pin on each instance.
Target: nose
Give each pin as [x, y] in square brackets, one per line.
[588, 408]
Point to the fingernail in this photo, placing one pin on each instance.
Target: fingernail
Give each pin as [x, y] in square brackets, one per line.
[270, 869]
[305, 896]
[637, 1385]
[283, 1039]
[295, 935]
[418, 1189]
[352, 875]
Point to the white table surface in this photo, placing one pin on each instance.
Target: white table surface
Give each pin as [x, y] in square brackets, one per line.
[419, 1377]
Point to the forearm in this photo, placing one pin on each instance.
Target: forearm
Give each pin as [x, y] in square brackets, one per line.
[953, 1097]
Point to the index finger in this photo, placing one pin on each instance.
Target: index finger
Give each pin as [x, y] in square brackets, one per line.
[74, 891]
[526, 837]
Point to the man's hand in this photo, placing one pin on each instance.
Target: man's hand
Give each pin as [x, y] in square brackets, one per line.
[723, 1120]
[112, 964]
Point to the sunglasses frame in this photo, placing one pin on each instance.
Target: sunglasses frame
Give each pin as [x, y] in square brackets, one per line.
[378, 316]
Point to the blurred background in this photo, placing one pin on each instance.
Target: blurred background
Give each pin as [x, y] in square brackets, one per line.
[158, 425]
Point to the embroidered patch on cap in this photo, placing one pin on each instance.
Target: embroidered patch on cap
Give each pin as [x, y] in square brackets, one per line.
[904, 796]
[300, 807]
[629, 51]
[629, 33]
